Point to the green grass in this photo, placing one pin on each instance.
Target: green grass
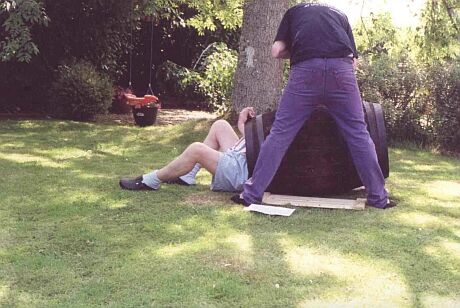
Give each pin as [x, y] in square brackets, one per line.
[69, 237]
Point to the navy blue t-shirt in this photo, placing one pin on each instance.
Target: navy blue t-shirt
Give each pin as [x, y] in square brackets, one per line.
[313, 30]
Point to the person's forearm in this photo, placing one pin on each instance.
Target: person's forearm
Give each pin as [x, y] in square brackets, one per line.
[241, 126]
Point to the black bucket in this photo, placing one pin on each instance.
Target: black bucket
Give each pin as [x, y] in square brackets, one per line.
[145, 116]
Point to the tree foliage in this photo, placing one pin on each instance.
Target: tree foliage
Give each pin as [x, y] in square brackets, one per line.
[439, 36]
[420, 95]
[216, 78]
[17, 18]
[227, 12]
[208, 13]
[94, 30]
[376, 35]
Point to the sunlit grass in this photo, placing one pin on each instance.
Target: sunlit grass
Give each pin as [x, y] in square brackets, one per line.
[361, 282]
[70, 237]
[444, 189]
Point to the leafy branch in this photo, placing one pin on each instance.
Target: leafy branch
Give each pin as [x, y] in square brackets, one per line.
[20, 16]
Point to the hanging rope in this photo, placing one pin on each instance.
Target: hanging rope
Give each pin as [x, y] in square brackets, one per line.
[149, 98]
[131, 46]
[149, 90]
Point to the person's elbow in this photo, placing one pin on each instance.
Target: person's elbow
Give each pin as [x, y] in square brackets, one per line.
[275, 52]
[279, 50]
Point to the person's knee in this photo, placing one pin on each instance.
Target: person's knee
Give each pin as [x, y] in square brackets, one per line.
[196, 150]
[221, 124]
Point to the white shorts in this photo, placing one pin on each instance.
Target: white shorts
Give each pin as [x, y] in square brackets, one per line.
[231, 172]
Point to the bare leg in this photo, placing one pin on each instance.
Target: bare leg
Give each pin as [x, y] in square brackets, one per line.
[221, 136]
[195, 153]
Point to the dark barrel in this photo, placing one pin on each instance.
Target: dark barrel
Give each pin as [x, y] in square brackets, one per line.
[318, 161]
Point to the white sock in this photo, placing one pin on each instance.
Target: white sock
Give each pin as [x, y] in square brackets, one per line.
[151, 180]
[189, 178]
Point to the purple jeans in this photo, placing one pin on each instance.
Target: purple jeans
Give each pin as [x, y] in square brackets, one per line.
[330, 82]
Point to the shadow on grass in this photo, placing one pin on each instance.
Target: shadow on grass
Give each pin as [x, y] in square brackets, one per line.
[70, 236]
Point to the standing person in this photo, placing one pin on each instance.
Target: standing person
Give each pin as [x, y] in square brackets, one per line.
[221, 153]
[319, 42]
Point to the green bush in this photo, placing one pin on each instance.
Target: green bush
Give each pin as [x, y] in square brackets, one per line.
[421, 102]
[178, 81]
[395, 82]
[79, 92]
[211, 80]
[444, 95]
[215, 81]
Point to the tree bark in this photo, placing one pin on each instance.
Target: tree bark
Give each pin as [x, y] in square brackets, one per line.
[259, 77]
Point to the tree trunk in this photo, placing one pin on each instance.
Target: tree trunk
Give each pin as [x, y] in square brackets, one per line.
[259, 77]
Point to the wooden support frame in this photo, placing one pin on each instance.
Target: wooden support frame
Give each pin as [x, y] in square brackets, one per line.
[326, 203]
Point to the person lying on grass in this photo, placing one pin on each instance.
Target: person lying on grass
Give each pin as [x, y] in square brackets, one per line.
[222, 153]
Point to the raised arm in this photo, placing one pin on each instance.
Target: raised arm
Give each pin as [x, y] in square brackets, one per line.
[245, 114]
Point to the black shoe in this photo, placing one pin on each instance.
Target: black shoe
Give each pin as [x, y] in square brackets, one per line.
[134, 184]
[238, 200]
[390, 204]
[178, 181]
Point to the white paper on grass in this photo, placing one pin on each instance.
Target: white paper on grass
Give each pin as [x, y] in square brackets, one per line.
[270, 210]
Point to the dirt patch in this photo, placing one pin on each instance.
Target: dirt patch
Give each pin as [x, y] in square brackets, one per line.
[164, 117]
[208, 199]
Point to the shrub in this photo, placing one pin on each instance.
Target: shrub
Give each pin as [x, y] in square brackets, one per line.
[79, 92]
[215, 81]
[179, 81]
[395, 82]
[211, 81]
[120, 102]
[444, 94]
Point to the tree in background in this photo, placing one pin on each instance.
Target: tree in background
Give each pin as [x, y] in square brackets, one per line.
[439, 42]
[229, 13]
[259, 78]
[376, 36]
[417, 87]
[92, 30]
[18, 17]
[208, 13]
[439, 36]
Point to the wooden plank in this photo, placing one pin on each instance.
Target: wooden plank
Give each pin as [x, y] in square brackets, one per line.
[326, 203]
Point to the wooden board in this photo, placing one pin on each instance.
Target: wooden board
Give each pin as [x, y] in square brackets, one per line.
[326, 203]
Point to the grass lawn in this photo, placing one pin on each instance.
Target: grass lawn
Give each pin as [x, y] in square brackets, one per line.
[69, 237]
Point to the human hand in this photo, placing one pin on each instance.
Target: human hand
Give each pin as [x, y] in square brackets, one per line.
[247, 113]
